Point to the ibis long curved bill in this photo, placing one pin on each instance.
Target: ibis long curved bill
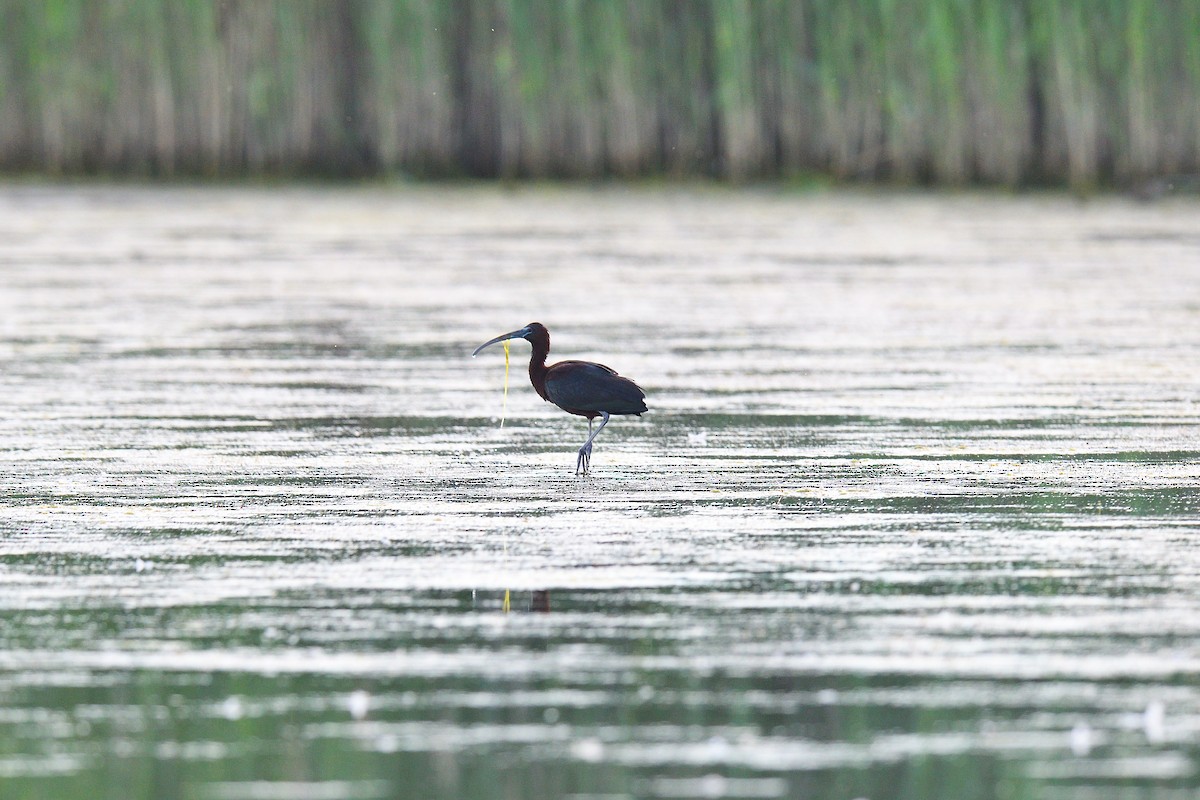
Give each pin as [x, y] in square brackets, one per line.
[583, 388]
[518, 334]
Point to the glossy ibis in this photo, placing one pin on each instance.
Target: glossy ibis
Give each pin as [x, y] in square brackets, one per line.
[577, 387]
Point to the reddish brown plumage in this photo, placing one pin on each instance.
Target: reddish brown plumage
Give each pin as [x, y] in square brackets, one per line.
[584, 388]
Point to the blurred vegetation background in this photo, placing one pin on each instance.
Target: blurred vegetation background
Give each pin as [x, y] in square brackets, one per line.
[1004, 92]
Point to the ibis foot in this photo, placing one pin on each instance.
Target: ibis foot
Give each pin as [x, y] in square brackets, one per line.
[585, 459]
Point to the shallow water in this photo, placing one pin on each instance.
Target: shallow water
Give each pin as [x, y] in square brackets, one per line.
[912, 515]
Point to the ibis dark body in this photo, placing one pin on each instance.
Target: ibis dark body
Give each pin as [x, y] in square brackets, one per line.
[583, 388]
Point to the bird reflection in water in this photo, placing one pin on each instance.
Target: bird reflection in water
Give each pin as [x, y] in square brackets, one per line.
[539, 601]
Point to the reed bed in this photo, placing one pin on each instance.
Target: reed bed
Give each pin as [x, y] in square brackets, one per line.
[1003, 92]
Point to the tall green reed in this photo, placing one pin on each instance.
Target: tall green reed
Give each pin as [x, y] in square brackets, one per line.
[1002, 92]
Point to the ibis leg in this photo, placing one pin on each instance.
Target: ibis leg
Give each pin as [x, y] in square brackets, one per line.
[585, 452]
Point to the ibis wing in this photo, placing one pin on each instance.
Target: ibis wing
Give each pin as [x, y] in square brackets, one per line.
[584, 386]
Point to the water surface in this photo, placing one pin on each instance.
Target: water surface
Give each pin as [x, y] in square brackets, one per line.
[912, 515]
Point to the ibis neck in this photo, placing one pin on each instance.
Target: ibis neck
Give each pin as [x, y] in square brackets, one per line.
[537, 364]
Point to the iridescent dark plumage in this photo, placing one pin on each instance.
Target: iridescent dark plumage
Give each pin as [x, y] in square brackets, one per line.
[577, 387]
